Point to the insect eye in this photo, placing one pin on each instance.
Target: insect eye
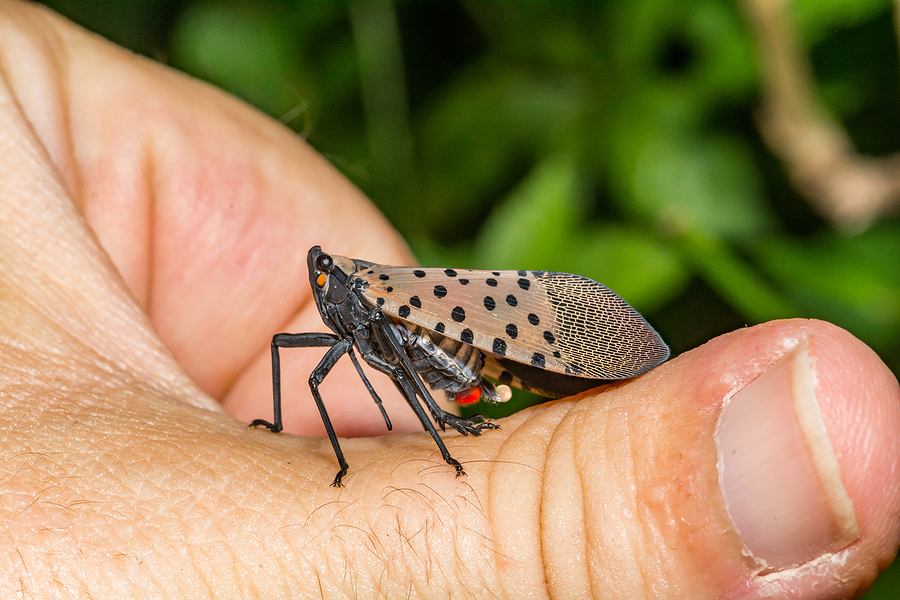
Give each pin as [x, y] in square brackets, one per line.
[321, 279]
[324, 263]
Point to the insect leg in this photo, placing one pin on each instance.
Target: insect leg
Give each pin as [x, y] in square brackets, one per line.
[402, 382]
[465, 426]
[318, 375]
[289, 340]
[399, 376]
[472, 425]
[309, 340]
[387, 420]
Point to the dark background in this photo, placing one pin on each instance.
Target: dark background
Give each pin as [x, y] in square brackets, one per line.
[619, 140]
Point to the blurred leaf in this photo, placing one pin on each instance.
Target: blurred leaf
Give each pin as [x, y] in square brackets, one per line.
[686, 181]
[634, 263]
[240, 49]
[702, 47]
[539, 226]
[479, 136]
[735, 280]
[853, 282]
[726, 62]
[525, 231]
[707, 184]
[818, 18]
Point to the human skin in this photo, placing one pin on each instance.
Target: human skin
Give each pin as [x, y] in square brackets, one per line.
[153, 236]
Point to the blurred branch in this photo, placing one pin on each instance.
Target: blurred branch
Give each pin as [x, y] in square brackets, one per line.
[849, 189]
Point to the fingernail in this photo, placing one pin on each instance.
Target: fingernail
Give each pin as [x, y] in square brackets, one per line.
[778, 470]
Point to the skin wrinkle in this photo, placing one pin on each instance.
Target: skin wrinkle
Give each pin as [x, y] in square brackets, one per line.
[640, 546]
[48, 108]
[578, 417]
[621, 424]
[529, 433]
[562, 437]
[653, 520]
[143, 299]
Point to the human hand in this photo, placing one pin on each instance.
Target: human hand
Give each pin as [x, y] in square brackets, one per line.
[153, 235]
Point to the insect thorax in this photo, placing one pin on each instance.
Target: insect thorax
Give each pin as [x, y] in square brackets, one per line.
[442, 362]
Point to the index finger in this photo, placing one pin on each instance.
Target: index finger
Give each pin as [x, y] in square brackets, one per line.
[205, 206]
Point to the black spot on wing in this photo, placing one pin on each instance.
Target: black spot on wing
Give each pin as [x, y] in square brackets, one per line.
[403, 311]
[419, 273]
[499, 347]
[574, 369]
[549, 337]
[489, 303]
[449, 272]
[534, 319]
[512, 300]
[524, 283]
[467, 336]
[538, 360]
[458, 314]
[491, 281]
[512, 331]
[439, 327]
[440, 291]
[415, 301]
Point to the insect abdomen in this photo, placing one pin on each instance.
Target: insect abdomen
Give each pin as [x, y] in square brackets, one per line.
[442, 362]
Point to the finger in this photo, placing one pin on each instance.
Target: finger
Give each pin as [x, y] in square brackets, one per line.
[653, 488]
[67, 317]
[205, 207]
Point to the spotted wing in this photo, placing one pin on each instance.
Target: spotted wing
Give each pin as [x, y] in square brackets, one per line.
[555, 322]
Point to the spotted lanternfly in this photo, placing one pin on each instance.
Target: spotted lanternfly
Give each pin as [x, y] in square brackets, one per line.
[551, 333]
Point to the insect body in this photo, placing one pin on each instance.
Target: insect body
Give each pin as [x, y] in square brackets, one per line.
[552, 333]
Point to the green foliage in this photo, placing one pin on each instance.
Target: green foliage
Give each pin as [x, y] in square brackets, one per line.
[613, 139]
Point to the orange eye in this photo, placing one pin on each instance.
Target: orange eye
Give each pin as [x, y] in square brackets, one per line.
[321, 279]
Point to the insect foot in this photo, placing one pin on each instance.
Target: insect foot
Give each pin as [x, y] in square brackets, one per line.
[265, 425]
[474, 425]
[459, 469]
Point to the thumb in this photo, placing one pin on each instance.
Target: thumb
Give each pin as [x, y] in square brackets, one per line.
[762, 463]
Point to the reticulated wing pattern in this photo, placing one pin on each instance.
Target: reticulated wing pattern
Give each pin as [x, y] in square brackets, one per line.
[564, 323]
[600, 335]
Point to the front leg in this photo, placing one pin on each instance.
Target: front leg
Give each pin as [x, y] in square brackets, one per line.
[289, 340]
[318, 376]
